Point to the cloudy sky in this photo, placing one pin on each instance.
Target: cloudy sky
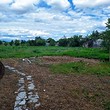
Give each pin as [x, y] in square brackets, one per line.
[25, 19]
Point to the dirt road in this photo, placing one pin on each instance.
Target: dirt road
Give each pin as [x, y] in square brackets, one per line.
[57, 92]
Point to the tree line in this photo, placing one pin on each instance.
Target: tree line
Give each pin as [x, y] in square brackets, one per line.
[38, 41]
[74, 41]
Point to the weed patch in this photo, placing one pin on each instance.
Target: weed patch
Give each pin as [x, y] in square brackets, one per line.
[81, 68]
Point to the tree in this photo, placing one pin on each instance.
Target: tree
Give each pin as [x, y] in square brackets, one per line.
[39, 41]
[31, 42]
[23, 42]
[17, 42]
[95, 35]
[75, 41]
[1, 42]
[106, 37]
[108, 24]
[51, 42]
[11, 43]
[63, 42]
[5, 43]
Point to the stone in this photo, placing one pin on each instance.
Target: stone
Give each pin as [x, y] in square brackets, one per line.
[32, 98]
[37, 104]
[17, 103]
[21, 95]
[29, 93]
[28, 60]
[16, 92]
[18, 108]
[31, 87]
[21, 81]
[20, 73]
[37, 96]
[23, 102]
[10, 68]
[29, 78]
[21, 89]
[15, 70]
[2, 70]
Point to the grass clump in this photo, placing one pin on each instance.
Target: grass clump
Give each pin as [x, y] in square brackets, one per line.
[106, 105]
[81, 68]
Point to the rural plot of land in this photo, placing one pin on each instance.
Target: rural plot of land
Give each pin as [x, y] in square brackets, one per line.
[56, 91]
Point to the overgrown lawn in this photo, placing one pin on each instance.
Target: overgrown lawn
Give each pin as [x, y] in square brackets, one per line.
[81, 68]
[32, 51]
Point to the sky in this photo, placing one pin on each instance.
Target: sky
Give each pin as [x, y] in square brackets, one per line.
[26, 19]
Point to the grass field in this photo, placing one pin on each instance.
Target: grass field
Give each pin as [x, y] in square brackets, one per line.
[81, 68]
[70, 79]
[32, 51]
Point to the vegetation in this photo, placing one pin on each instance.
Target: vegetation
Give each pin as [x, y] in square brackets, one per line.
[81, 68]
[106, 37]
[51, 42]
[32, 51]
[74, 41]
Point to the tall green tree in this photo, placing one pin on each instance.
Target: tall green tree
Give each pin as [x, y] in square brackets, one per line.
[11, 43]
[31, 42]
[106, 37]
[63, 42]
[5, 43]
[75, 41]
[1, 42]
[51, 42]
[17, 42]
[39, 41]
[95, 35]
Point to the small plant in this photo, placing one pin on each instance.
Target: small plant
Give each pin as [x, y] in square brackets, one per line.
[106, 105]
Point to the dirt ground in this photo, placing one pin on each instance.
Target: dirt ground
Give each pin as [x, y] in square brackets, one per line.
[57, 92]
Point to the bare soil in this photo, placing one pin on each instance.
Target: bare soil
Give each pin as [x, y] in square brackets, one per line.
[57, 92]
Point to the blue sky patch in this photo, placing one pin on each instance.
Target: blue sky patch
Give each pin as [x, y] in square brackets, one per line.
[26, 19]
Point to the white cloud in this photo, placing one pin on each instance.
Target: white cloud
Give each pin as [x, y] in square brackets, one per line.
[25, 19]
[5, 1]
[48, 16]
[91, 3]
[22, 31]
[23, 6]
[58, 4]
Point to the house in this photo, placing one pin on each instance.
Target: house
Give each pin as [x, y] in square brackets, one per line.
[91, 43]
[97, 43]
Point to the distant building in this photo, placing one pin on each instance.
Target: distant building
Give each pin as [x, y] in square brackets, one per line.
[88, 43]
[97, 43]
[91, 43]
[47, 44]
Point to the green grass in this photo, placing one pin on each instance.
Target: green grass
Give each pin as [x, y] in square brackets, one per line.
[81, 68]
[107, 105]
[31, 51]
